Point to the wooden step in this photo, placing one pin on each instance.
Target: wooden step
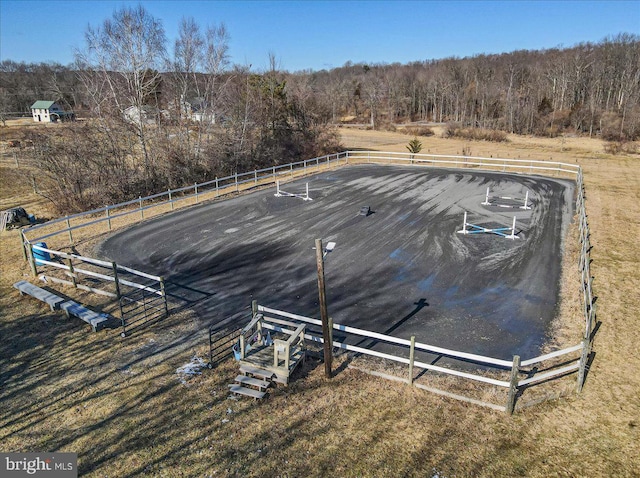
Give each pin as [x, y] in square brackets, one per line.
[244, 380]
[257, 372]
[249, 392]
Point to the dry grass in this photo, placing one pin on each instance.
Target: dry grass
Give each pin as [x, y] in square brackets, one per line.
[120, 406]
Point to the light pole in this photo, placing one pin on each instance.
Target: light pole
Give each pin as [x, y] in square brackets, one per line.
[324, 315]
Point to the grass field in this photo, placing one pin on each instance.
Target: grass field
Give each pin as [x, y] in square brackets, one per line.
[120, 405]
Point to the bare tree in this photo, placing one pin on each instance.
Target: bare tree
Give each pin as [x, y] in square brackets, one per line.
[122, 57]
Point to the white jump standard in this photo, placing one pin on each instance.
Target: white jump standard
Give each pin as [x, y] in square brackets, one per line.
[280, 193]
[525, 206]
[499, 231]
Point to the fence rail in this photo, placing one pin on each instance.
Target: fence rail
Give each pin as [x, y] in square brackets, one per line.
[233, 184]
[498, 372]
[141, 296]
[218, 186]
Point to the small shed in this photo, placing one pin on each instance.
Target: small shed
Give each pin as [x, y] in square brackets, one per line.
[49, 112]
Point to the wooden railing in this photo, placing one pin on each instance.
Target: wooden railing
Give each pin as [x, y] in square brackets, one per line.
[505, 374]
[236, 182]
[140, 296]
[240, 181]
[283, 348]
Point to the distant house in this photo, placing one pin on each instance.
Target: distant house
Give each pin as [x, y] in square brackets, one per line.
[146, 115]
[49, 112]
[196, 110]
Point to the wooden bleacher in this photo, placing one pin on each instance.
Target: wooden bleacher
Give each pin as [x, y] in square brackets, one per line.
[56, 302]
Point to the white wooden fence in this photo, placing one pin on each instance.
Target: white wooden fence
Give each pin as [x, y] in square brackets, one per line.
[238, 181]
[141, 297]
[234, 183]
[505, 374]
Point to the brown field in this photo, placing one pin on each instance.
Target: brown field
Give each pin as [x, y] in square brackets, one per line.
[120, 405]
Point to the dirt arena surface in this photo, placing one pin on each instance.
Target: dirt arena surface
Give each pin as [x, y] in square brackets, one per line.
[403, 270]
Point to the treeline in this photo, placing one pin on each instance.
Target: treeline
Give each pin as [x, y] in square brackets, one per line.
[586, 89]
[162, 116]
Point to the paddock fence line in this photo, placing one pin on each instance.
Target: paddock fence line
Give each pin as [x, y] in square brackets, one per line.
[141, 297]
[504, 165]
[584, 264]
[260, 177]
[198, 192]
[242, 181]
[510, 376]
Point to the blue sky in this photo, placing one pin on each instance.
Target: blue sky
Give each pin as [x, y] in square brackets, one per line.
[324, 34]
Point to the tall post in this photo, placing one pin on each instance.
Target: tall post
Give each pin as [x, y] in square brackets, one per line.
[324, 315]
[170, 200]
[217, 190]
[513, 387]
[141, 210]
[254, 308]
[195, 187]
[237, 186]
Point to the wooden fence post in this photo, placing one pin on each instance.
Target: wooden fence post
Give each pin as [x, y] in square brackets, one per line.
[513, 386]
[114, 266]
[323, 309]
[69, 230]
[164, 297]
[412, 354]
[254, 308]
[108, 217]
[582, 371]
[32, 261]
[24, 247]
[73, 274]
